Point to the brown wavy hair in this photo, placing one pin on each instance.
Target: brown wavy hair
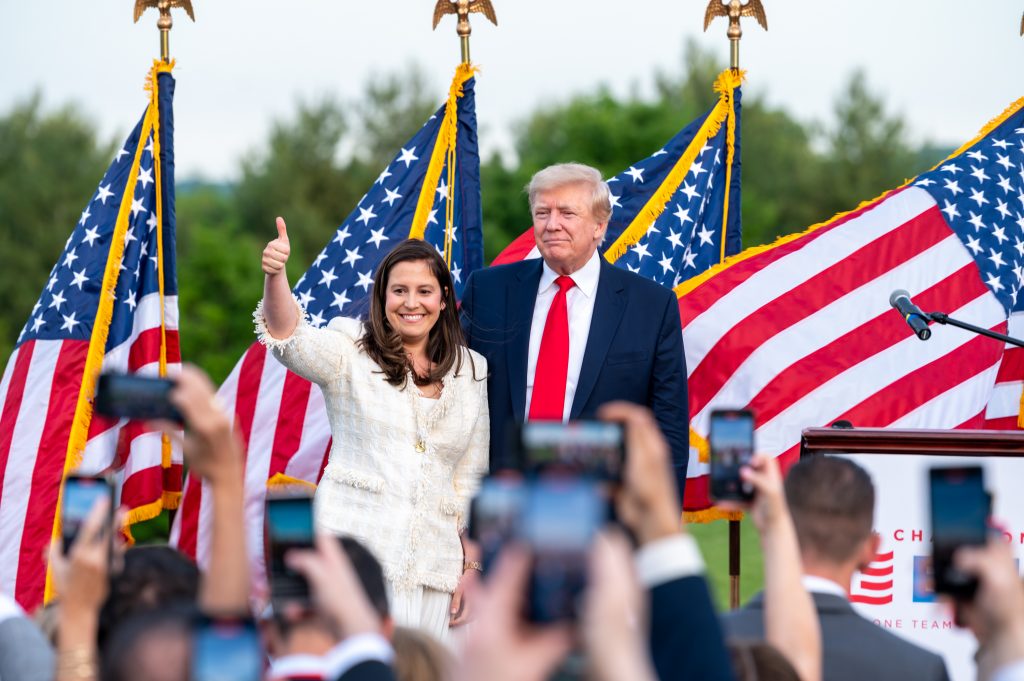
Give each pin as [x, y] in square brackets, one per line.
[446, 345]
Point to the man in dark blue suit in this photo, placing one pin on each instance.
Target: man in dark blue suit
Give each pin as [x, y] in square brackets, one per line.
[567, 332]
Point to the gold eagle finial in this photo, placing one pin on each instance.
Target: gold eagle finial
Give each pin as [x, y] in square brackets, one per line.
[462, 9]
[165, 7]
[733, 10]
[165, 21]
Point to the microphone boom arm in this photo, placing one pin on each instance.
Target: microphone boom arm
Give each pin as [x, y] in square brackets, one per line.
[943, 318]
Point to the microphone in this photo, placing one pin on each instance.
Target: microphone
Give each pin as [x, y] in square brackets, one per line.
[918, 320]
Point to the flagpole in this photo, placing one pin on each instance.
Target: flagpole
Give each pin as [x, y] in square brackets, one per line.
[165, 22]
[462, 9]
[733, 10]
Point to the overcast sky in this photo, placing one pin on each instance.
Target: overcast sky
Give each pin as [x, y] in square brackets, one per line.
[947, 65]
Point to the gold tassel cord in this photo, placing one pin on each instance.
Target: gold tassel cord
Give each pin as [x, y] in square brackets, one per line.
[98, 341]
[443, 146]
[656, 204]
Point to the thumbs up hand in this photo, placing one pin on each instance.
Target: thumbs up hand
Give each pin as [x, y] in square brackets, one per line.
[275, 255]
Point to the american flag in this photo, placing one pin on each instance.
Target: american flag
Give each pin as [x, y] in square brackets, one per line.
[110, 303]
[802, 333]
[676, 212]
[430, 190]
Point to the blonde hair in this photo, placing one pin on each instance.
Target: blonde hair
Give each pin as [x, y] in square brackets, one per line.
[563, 174]
[420, 657]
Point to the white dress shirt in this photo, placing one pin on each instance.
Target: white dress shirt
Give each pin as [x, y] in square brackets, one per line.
[580, 303]
[822, 585]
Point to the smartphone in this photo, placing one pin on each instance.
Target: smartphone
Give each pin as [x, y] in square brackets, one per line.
[226, 649]
[136, 397]
[289, 525]
[494, 515]
[959, 517]
[593, 448]
[731, 445]
[560, 517]
[80, 496]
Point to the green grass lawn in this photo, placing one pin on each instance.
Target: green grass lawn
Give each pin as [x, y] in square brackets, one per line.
[713, 539]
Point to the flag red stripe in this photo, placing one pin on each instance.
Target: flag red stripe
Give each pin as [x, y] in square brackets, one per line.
[871, 600]
[517, 250]
[867, 263]
[694, 304]
[12, 405]
[288, 435]
[876, 586]
[49, 469]
[933, 379]
[1012, 368]
[188, 534]
[249, 377]
[146, 348]
[829, 361]
[1002, 423]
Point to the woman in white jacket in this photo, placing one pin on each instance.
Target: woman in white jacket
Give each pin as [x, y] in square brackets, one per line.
[407, 405]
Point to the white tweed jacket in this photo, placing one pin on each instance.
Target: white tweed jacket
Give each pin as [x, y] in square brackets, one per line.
[407, 506]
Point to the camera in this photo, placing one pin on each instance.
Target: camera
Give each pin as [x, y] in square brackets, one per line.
[959, 511]
[81, 493]
[136, 397]
[226, 649]
[289, 525]
[591, 448]
[554, 505]
[731, 445]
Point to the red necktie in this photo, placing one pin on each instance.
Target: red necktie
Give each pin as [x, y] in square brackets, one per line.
[548, 399]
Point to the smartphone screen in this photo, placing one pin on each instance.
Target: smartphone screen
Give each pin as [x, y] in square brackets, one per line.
[80, 496]
[289, 525]
[959, 516]
[136, 397]
[494, 515]
[584, 447]
[560, 518]
[731, 445]
[226, 650]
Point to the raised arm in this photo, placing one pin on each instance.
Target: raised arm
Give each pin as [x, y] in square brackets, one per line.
[278, 305]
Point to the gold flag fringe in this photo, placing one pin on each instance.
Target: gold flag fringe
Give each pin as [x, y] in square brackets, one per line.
[444, 148]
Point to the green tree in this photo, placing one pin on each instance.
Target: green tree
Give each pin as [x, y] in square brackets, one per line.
[866, 150]
[315, 167]
[50, 164]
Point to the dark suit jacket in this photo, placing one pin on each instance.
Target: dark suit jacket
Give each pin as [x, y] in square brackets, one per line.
[686, 638]
[368, 671]
[854, 648]
[634, 351]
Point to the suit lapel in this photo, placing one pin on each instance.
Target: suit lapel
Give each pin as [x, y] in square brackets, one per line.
[521, 298]
[609, 306]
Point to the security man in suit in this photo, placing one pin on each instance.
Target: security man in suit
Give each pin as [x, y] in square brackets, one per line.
[832, 502]
[568, 332]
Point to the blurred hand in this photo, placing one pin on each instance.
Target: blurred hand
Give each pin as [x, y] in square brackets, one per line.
[276, 253]
[335, 587]
[768, 508]
[211, 449]
[613, 609]
[500, 646]
[649, 502]
[996, 615]
[81, 577]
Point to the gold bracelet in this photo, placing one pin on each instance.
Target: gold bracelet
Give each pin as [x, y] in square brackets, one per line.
[77, 663]
[473, 565]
